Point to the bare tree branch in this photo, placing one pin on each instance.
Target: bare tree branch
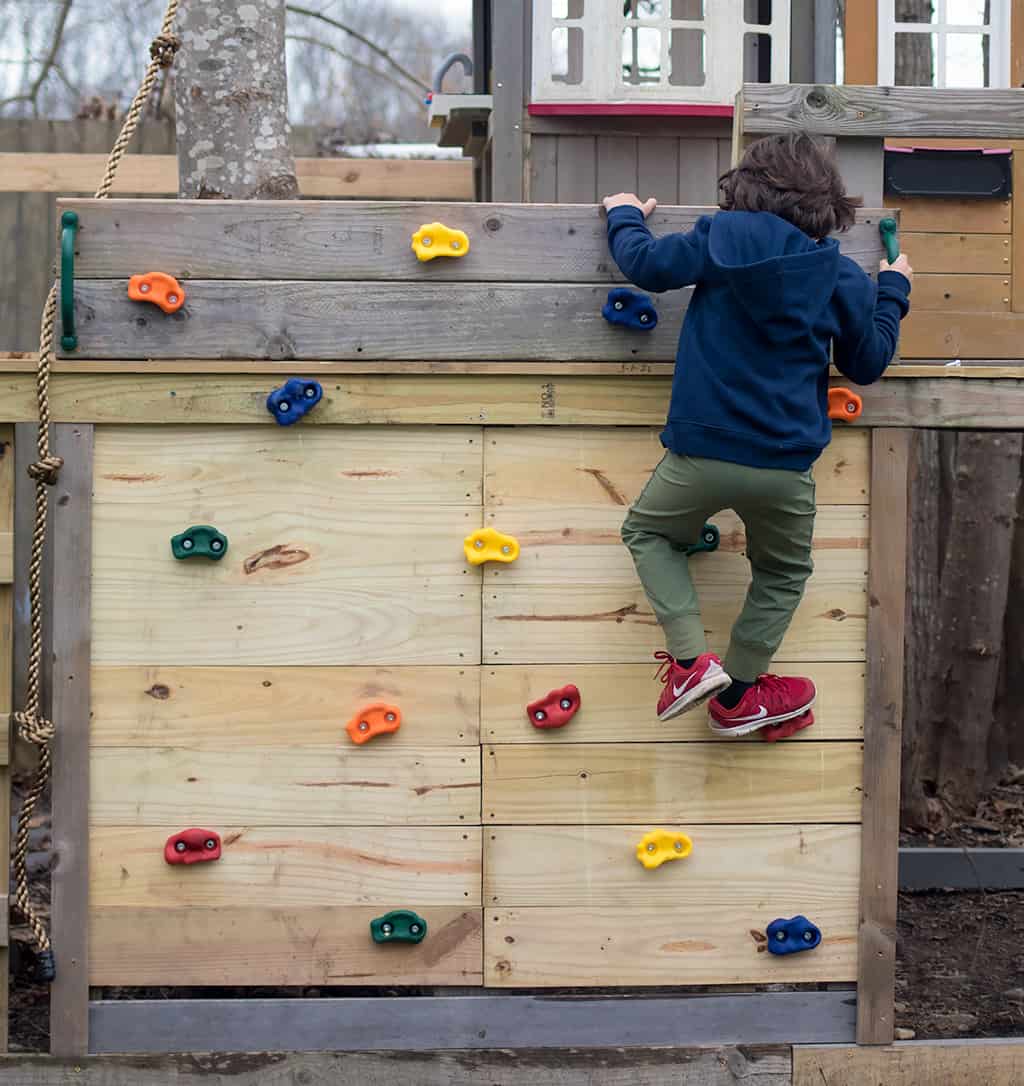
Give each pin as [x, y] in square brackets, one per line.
[383, 53]
[48, 63]
[403, 87]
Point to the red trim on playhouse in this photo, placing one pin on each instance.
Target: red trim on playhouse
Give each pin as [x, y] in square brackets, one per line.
[626, 109]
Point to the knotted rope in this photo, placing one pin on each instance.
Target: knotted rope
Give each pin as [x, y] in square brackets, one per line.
[32, 726]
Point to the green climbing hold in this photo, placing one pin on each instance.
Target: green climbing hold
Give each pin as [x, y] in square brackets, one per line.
[399, 926]
[199, 541]
[709, 538]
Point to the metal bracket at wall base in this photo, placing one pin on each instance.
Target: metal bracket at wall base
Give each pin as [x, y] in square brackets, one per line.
[424, 1023]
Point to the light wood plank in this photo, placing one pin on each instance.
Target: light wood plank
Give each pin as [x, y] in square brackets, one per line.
[353, 466]
[938, 1063]
[573, 784]
[963, 335]
[985, 293]
[206, 707]
[890, 454]
[70, 643]
[608, 468]
[334, 785]
[860, 42]
[559, 243]
[288, 868]
[882, 111]
[1017, 171]
[327, 320]
[244, 945]
[974, 254]
[569, 544]
[612, 694]
[596, 867]
[157, 175]
[552, 947]
[593, 624]
[928, 215]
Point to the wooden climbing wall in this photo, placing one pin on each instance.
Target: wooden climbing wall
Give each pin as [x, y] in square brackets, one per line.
[220, 690]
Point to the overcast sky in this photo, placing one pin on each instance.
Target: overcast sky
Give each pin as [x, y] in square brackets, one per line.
[458, 11]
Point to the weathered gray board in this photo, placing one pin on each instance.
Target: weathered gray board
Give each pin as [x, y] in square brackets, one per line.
[350, 240]
[531, 287]
[413, 1023]
[961, 868]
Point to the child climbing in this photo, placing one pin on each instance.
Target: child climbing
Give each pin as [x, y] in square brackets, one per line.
[749, 409]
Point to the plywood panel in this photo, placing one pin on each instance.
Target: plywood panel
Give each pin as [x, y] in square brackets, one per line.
[618, 704]
[963, 335]
[340, 785]
[930, 216]
[593, 624]
[253, 945]
[658, 169]
[582, 545]
[939, 1063]
[369, 321]
[596, 866]
[288, 867]
[609, 467]
[355, 465]
[698, 170]
[348, 240]
[206, 707]
[616, 165]
[574, 784]
[985, 293]
[577, 170]
[975, 254]
[543, 175]
[644, 945]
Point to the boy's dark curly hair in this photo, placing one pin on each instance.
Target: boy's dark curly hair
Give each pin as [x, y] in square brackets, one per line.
[792, 176]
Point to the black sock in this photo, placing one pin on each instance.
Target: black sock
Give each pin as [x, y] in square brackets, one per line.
[731, 696]
[686, 663]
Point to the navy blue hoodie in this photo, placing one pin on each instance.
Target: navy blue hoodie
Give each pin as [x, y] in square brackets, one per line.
[751, 377]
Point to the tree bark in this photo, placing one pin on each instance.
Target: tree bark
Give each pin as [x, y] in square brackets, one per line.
[965, 498]
[231, 101]
[915, 64]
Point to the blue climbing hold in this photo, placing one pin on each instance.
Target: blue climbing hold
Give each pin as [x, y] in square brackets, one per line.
[792, 936]
[631, 309]
[295, 398]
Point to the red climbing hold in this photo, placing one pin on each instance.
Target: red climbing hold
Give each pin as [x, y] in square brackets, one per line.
[192, 846]
[556, 709]
[773, 732]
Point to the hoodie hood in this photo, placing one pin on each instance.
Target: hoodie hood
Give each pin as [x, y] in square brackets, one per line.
[778, 275]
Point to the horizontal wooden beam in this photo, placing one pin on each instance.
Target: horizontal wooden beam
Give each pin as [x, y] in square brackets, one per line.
[961, 868]
[945, 397]
[157, 175]
[881, 111]
[358, 241]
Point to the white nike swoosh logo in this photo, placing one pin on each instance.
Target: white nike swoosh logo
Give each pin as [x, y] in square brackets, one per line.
[762, 712]
[677, 690]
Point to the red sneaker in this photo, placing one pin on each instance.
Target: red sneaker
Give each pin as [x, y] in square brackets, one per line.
[772, 733]
[688, 687]
[771, 700]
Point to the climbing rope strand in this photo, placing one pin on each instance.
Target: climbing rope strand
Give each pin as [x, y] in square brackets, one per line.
[32, 727]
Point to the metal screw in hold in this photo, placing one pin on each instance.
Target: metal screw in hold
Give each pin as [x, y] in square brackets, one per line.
[414, 928]
[215, 544]
[179, 846]
[310, 393]
[143, 288]
[456, 244]
[808, 936]
[187, 544]
[565, 703]
[679, 846]
[479, 544]
[172, 299]
[211, 844]
[618, 305]
[387, 929]
[364, 725]
[651, 847]
[389, 717]
[539, 714]
[284, 406]
[427, 240]
[506, 549]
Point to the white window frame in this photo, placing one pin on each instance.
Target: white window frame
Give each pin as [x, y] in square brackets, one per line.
[998, 32]
[602, 24]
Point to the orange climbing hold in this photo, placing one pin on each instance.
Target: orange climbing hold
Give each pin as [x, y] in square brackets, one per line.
[844, 404]
[374, 720]
[159, 288]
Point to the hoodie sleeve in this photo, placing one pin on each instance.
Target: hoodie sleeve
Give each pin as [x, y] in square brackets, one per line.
[869, 323]
[656, 264]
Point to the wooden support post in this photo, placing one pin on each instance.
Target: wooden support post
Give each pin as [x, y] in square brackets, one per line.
[887, 584]
[6, 595]
[860, 42]
[509, 29]
[71, 543]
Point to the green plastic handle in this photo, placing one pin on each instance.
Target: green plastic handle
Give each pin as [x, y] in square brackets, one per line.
[887, 228]
[709, 537]
[68, 230]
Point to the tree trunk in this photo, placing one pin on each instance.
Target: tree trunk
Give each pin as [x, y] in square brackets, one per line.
[915, 64]
[231, 101]
[966, 488]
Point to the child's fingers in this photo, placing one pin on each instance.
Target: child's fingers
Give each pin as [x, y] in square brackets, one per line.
[649, 205]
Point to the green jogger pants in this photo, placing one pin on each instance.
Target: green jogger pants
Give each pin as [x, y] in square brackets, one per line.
[777, 509]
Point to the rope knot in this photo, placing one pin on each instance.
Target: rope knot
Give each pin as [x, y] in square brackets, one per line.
[46, 470]
[163, 48]
[34, 729]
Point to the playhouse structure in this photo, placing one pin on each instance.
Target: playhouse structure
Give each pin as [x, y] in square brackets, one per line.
[306, 737]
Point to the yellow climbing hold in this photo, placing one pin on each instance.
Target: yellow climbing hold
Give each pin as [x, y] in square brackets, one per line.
[660, 846]
[434, 239]
[489, 545]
